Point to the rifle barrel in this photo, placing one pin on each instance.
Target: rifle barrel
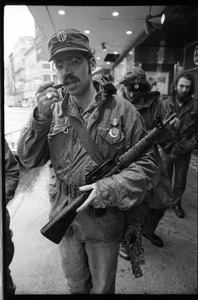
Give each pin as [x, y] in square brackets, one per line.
[140, 147]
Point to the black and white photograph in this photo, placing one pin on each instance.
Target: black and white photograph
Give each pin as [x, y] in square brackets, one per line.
[99, 148]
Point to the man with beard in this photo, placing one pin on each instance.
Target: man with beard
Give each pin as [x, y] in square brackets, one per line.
[176, 153]
[89, 248]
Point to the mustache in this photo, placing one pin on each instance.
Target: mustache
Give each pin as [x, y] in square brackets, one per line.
[69, 78]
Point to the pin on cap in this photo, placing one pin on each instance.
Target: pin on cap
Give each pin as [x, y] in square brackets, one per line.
[134, 72]
[61, 36]
[67, 40]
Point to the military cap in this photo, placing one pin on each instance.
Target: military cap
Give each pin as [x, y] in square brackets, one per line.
[68, 39]
[134, 72]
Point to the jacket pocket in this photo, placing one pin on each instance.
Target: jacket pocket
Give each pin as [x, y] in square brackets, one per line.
[105, 134]
[60, 139]
[109, 144]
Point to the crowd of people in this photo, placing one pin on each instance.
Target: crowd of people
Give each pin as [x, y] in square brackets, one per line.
[113, 121]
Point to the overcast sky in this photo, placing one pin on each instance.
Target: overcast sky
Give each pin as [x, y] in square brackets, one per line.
[18, 22]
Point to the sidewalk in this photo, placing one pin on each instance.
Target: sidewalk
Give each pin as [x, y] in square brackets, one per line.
[36, 265]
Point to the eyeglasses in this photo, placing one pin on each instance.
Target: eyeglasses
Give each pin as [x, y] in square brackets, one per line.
[72, 62]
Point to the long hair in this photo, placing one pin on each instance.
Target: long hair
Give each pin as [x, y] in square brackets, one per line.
[187, 76]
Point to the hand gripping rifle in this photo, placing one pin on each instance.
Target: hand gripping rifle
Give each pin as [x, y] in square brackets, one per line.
[55, 229]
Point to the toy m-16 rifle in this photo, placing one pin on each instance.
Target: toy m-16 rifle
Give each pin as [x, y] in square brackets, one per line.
[55, 229]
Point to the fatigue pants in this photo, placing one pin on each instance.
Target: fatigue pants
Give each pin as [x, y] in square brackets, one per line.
[178, 167]
[152, 220]
[90, 268]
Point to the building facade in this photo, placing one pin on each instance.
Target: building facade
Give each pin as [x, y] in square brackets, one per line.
[26, 68]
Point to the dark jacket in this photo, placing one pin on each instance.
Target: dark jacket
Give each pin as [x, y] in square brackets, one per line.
[150, 106]
[11, 173]
[183, 140]
[11, 181]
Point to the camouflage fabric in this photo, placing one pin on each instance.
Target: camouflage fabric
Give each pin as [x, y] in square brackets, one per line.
[132, 241]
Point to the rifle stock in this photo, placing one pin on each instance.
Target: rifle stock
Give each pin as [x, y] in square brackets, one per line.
[55, 229]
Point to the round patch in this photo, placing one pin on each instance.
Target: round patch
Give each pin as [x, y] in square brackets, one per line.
[114, 132]
[136, 86]
[61, 36]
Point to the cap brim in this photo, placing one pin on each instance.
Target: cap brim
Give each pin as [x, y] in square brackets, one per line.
[67, 49]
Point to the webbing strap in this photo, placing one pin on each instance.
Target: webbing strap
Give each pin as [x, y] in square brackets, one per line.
[89, 145]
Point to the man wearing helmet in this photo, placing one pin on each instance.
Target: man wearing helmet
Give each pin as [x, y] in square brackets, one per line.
[137, 90]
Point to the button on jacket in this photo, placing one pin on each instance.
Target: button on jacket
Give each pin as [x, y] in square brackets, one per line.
[57, 140]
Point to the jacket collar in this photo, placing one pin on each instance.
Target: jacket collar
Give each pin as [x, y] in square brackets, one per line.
[103, 89]
[185, 108]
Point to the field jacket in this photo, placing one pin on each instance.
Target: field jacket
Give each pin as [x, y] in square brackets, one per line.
[151, 107]
[183, 140]
[57, 140]
[11, 173]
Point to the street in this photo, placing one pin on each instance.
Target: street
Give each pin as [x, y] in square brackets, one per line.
[36, 265]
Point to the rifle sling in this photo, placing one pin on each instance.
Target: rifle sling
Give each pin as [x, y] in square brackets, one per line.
[91, 148]
[89, 145]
